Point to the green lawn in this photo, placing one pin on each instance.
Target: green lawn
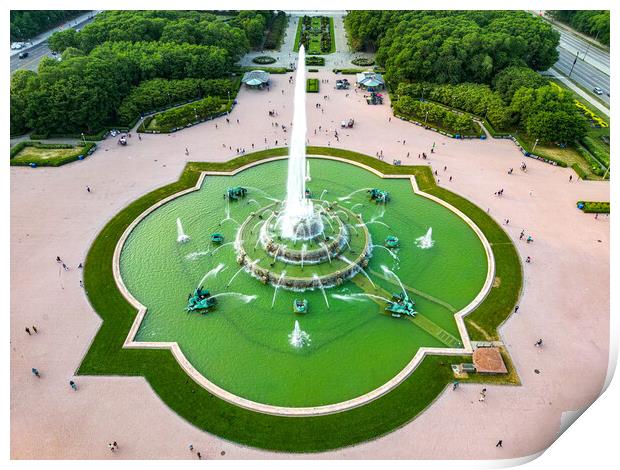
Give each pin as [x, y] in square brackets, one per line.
[25, 153]
[293, 434]
[312, 85]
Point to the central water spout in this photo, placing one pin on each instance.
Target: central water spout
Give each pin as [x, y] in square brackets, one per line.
[298, 219]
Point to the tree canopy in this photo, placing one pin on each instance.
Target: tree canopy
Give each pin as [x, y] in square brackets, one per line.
[453, 46]
[26, 24]
[594, 23]
[108, 58]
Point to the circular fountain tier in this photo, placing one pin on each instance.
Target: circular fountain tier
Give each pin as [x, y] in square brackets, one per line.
[328, 258]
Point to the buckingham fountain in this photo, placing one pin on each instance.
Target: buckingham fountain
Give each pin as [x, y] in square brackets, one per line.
[301, 231]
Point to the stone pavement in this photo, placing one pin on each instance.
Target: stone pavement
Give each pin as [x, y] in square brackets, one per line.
[565, 298]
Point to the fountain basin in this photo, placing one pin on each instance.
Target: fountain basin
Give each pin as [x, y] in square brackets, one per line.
[244, 347]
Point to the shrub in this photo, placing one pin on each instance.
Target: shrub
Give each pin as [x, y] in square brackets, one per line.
[263, 59]
[363, 61]
[595, 166]
[594, 207]
[176, 118]
[598, 149]
[435, 115]
[315, 60]
[312, 85]
[313, 70]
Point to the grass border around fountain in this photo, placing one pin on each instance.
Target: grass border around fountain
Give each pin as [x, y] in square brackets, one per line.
[191, 401]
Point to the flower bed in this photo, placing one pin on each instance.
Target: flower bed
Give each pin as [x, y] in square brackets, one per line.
[263, 60]
[363, 61]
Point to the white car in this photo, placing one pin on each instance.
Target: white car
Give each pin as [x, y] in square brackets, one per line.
[597, 90]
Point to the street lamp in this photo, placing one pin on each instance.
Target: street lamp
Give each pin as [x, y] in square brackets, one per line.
[196, 114]
[229, 96]
[573, 66]
[83, 139]
[426, 117]
[534, 147]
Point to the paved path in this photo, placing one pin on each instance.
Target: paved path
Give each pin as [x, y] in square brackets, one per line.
[565, 300]
[287, 56]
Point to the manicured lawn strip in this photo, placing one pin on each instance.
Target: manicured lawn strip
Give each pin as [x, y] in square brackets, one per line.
[27, 152]
[312, 85]
[298, 34]
[332, 36]
[208, 412]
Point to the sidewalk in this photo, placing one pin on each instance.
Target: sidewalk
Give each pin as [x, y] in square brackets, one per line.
[557, 74]
[69, 24]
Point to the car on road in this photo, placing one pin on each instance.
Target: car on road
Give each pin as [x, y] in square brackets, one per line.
[22, 55]
[598, 90]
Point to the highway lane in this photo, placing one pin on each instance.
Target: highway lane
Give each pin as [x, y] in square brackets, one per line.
[594, 56]
[583, 73]
[37, 52]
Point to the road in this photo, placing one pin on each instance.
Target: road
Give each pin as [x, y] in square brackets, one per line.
[40, 50]
[592, 67]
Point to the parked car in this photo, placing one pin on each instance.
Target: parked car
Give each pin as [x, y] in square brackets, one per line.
[22, 55]
[598, 91]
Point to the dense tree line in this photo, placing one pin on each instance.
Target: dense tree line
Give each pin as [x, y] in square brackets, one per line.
[26, 24]
[103, 62]
[594, 23]
[158, 93]
[521, 99]
[276, 31]
[452, 46]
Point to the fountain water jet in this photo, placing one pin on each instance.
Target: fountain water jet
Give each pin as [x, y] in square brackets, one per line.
[181, 237]
[298, 338]
[298, 209]
[314, 275]
[425, 242]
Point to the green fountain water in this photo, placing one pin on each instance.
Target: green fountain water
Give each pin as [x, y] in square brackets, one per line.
[350, 345]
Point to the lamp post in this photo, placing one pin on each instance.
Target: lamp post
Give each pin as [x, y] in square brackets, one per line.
[534, 147]
[425, 119]
[83, 139]
[589, 44]
[196, 114]
[229, 96]
[573, 66]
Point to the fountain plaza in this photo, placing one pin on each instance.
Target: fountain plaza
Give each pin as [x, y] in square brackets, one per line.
[253, 345]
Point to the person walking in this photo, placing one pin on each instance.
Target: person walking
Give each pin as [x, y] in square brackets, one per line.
[522, 234]
[111, 447]
[35, 371]
[28, 331]
[73, 385]
[199, 455]
[455, 385]
[115, 445]
[528, 260]
[499, 443]
[570, 178]
[538, 343]
[88, 189]
[191, 448]
[516, 308]
[58, 260]
[34, 328]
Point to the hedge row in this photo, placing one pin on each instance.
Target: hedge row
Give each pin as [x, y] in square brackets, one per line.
[594, 207]
[185, 116]
[597, 149]
[592, 162]
[436, 115]
[315, 60]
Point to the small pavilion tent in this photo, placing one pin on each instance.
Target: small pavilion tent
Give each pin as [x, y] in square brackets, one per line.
[370, 80]
[256, 78]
